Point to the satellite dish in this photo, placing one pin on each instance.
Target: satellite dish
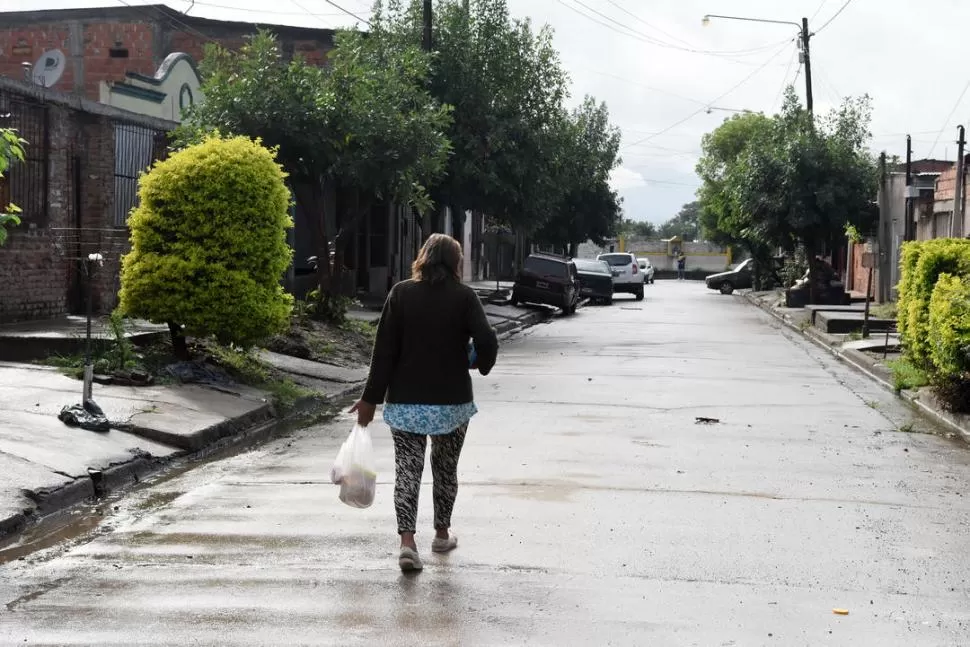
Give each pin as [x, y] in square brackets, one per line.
[48, 68]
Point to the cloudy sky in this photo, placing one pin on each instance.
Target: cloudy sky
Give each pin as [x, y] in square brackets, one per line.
[668, 79]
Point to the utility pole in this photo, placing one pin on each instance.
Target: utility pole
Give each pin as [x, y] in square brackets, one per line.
[426, 41]
[807, 59]
[885, 234]
[956, 224]
[909, 231]
[803, 37]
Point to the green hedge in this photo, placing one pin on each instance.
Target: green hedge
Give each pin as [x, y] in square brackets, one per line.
[949, 327]
[922, 264]
[209, 243]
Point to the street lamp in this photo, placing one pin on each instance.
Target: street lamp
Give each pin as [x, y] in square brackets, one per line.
[803, 39]
[711, 109]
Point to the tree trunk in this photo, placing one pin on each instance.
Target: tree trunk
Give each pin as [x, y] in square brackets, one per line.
[179, 347]
[573, 249]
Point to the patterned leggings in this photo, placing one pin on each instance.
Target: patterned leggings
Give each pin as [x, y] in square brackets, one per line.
[409, 466]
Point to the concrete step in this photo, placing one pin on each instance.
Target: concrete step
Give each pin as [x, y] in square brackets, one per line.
[843, 323]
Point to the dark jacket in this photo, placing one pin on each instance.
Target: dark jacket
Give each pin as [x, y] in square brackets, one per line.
[421, 352]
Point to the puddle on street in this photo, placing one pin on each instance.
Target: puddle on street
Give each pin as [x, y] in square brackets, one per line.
[554, 491]
[81, 522]
[51, 531]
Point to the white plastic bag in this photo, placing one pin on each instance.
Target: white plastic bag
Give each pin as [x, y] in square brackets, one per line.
[355, 469]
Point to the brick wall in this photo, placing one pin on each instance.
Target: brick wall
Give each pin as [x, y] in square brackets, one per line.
[860, 275]
[40, 272]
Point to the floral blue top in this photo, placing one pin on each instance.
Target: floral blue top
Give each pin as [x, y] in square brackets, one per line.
[430, 419]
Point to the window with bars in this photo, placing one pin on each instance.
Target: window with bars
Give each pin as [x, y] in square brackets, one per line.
[135, 149]
[26, 183]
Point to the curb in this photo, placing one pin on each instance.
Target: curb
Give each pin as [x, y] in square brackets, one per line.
[257, 426]
[116, 478]
[865, 365]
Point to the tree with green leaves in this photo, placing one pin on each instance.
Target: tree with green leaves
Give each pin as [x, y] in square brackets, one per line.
[366, 123]
[11, 152]
[209, 244]
[788, 181]
[721, 219]
[588, 209]
[638, 229]
[506, 85]
[685, 224]
[802, 180]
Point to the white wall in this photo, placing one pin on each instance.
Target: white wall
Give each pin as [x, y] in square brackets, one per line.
[176, 79]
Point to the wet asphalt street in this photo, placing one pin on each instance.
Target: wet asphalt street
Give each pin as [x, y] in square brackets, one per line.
[593, 510]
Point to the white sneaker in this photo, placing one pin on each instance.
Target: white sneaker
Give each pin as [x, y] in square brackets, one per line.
[444, 545]
[409, 560]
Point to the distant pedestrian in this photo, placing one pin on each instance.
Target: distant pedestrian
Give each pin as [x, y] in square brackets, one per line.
[681, 266]
[420, 368]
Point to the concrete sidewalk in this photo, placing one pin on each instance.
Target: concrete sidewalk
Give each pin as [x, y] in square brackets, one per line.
[856, 353]
[46, 465]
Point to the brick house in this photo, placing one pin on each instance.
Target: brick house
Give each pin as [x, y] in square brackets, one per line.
[75, 188]
[123, 56]
[106, 44]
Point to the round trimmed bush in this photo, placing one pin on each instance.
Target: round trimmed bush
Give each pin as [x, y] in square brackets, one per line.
[209, 243]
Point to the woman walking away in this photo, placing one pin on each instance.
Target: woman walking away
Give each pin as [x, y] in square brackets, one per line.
[420, 369]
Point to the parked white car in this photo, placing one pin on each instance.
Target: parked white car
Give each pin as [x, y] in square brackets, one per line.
[646, 268]
[627, 276]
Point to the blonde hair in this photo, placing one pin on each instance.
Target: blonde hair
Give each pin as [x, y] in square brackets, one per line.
[439, 260]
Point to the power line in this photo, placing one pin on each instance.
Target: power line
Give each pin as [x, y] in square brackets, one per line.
[638, 18]
[337, 6]
[709, 103]
[166, 16]
[948, 117]
[784, 79]
[643, 85]
[820, 7]
[836, 15]
[267, 12]
[646, 38]
[319, 17]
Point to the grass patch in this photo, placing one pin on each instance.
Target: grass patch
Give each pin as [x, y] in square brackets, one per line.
[906, 376]
[884, 311]
[248, 369]
[365, 329]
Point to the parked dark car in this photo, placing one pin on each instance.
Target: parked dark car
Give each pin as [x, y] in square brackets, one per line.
[740, 278]
[548, 280]
[595, 280]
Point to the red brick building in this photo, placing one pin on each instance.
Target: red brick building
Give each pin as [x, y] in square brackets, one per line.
[104, 44]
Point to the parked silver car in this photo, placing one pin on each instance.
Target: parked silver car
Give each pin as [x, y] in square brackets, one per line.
[626, 273]
[646, 268]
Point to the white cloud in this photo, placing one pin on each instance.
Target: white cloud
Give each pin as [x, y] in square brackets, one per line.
[623, 179]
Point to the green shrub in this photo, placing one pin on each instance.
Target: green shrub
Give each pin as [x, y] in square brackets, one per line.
[920, 274]
[904, 291]
[209, 243]
[949, 327]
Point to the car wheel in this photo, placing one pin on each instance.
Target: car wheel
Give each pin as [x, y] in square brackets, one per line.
[608, 301]
[639, 294]
[514, 300]
[651, 281]
[727, 287]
